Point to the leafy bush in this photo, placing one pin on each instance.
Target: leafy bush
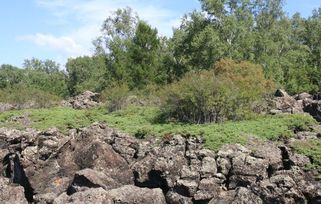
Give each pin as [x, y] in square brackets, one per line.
[225, 92]
[86, 73]
[10, 75]
[27, 97]
[312, 149]
[53, 83]
[138, 121]
[116, 96]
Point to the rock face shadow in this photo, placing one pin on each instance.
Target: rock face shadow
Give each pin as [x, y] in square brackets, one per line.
[155, 180]
[98, 164]
[14, 170]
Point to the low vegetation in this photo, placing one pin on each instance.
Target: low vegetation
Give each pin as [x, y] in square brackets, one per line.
[311, 148]
[226, 92]
[140, 122]
[208, 79]
[27, 97]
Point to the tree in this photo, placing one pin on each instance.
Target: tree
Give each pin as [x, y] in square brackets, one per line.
[132, 49]
[45, 76]
[48, 66]
[226, 30]
[143, 56]
[87, 73]
[196, 45]
[117, 33]
[226, 92]
[10, 75]
[253, 30]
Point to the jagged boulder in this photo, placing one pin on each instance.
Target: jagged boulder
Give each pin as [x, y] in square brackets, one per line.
[133, 194]
[98, 164]
[314, 109]
[284, 103]
[93, 195]
[281, 93]
[6, 107]
[89, 178]
[303, 102]
[10, 193]
[303, 96]
[85, 100]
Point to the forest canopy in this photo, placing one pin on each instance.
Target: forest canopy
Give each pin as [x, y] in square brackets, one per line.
[130, 53]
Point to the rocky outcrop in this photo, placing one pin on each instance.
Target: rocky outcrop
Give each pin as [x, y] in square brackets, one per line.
[6, 107]
[85, 100]
[304, 102]
[284, 103]
[101, 165]
[11, 193]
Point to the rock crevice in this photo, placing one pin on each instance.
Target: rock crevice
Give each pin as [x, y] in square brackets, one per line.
[101, 165]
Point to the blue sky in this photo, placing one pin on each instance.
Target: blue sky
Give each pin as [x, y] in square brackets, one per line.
[59, 29]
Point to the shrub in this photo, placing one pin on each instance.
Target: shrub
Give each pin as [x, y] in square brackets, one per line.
[225, 92]
[115, 96]
[27, 97]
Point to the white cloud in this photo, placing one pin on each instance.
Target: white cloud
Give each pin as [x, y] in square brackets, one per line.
[66, 45]
[82, 19]
[94, 12]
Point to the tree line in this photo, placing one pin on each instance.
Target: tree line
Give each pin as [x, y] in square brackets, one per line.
[130, 52]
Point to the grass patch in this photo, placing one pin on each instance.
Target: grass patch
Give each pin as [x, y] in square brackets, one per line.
[140, 122]
[312, 149]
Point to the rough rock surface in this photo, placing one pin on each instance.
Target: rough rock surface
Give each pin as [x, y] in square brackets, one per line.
[11, 193]
[85, 100]
[101, 165]
[284, 103]
[6, 107]
[304, 102]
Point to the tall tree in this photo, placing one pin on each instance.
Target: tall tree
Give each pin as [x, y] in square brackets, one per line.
[87, 73]
[132, 49]
[46, 76]
[10, 75]
[117, 31]
[143, 55]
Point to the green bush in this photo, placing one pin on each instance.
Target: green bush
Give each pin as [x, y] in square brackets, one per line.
[312, 149]
[115, 96]
[28, 97]
[226, 92]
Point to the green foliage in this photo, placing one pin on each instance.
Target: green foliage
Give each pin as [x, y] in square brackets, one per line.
[53, 83]
[129, 51]
[256, 31]
[139, 121]
[48, 66]
[116, 96]
[312, 149]
[143, 54]
[226, 92]
[45, 76]
[10, 75]
[132, 49]
[87, 73]
[24, 96]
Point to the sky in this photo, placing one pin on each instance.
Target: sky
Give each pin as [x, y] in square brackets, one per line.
[60, 29]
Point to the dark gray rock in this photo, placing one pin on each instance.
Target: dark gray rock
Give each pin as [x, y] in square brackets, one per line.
[133, 194]
[246, 196]
[303, 96]
[89, 178]
[11, 193]
[175, 198]
[98, 164]
[6, 107]
[281, 93]
[85, 100]
[94, 195]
